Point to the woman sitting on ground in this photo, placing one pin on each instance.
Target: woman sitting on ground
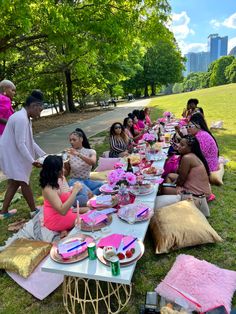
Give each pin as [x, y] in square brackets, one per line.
[119, 141]
[80, 163]
[198, 127]
[192, 108]
[129, 129]
[148, 120]
[193, 171]
[58, 215]
[138, 132]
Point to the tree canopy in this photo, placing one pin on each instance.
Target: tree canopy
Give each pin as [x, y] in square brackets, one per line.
[81, 47]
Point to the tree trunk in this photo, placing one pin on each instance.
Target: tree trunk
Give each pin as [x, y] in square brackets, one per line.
[69, 91]
[59, 97]
[146, 91]
[153, 86]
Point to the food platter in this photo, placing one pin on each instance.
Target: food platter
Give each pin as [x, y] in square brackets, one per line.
[106, 188]
[93, 204]
[139, 250]
[124, 213]
[86, 227]
[76, 258]
[141, 190]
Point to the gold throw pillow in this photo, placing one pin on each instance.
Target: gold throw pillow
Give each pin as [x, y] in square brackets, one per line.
[180, 225]
[23, 256]
[216, 177]
[99, 176]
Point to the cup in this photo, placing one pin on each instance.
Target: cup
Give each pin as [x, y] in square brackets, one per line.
[167, 137]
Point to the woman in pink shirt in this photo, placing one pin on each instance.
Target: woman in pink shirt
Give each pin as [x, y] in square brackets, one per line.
[7, 92]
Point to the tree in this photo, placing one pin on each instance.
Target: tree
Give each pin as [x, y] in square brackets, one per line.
[230, 72]
[218, 71]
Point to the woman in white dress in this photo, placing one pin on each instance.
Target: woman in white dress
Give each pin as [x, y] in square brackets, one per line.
[18, 152]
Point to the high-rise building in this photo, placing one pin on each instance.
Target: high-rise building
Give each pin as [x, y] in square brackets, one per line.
[217, 46]
[197, 62]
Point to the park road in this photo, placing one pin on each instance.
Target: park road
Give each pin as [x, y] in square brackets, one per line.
[55, 140]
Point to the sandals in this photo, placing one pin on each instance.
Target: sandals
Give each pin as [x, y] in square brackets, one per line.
[17, 225]
[9, 214]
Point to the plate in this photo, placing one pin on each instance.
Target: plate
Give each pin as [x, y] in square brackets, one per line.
[102, 224]
[57, 257]
[139, 250]
[106, 188]
[158, 173]
[144, 217]
[92, 203]
[136, 192]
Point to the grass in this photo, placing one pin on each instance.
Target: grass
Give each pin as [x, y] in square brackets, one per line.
[219, 104]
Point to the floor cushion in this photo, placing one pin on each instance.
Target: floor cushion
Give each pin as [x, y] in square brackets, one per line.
[216, 177]
[209, 285]
[180, 225]
[106, 163]
[99, 175]
[23, 255]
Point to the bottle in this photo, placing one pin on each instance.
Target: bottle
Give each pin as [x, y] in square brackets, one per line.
[129, 166]
[159, 135]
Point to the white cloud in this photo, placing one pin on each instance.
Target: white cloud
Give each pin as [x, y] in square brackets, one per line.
[230, 22]
[231, 43]
[193, 47]
[180, 26]
[215, 24]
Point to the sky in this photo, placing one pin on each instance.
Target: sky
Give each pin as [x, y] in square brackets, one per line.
[194, 20]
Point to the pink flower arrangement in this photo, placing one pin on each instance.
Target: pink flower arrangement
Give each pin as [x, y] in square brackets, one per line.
[119, 176]
[163, 120]
[149, 138]
[118, 165]
[167, 114]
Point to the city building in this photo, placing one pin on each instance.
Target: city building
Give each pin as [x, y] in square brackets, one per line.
[217, 46]
[197, 62]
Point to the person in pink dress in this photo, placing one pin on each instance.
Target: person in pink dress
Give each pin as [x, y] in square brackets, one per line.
[198, 127]
[58, 212]
[7, 92]
[148, 120]
[138, 132]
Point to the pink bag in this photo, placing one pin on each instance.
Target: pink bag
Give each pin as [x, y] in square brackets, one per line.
[171, 165]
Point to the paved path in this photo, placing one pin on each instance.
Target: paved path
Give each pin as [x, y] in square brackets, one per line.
[55, 140]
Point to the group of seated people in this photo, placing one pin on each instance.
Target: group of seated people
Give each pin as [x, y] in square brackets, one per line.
[124, 136]
[196, 154]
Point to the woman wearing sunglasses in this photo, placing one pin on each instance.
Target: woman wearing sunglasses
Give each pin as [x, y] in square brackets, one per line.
[119, 141]
[198, 127]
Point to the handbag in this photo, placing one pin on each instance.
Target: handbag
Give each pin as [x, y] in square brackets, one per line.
[200, 202]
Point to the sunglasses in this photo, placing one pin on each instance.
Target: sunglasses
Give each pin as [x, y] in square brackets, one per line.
[191, 126]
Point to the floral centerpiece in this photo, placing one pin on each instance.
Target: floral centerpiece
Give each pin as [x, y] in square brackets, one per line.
[149, 138]
[167, 115]
[122, 179]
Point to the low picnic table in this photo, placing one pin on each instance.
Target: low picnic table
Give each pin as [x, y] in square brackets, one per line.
[96, 278]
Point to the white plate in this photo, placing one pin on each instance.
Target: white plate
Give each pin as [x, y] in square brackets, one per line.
[139, 250]
[106, 188]
[136, 192]
[152, 175]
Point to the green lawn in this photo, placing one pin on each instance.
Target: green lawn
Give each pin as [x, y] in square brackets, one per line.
[219, 103]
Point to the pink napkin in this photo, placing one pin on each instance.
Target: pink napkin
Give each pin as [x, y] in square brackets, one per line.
[115, 240]
[98, 218]
[63, 248]
[111, 240]
[141, 209]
